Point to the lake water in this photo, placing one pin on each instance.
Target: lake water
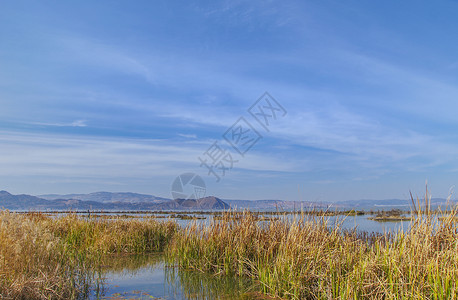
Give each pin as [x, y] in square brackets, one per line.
[360, 223]
[147, 277]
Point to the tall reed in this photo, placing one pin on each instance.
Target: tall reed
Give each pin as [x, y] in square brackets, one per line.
[33, 264]
[307, 259]
[117, 235]
[56, 258]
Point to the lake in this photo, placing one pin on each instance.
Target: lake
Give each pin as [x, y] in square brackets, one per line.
[148, 277]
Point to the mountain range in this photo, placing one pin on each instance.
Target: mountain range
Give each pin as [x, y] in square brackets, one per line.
[107, 197]
[135, 201]
[106, 201]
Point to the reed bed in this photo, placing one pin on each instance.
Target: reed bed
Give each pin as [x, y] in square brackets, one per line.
[290, 257]
[117, 235]
[304, 258]
[57, 258]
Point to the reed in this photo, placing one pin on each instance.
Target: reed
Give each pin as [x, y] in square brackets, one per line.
[304, 258]
[116, 235]
[299, 256]
[33, 264]
[57, 258]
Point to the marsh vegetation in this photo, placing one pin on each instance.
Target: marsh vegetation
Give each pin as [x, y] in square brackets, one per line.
[281, 256]
[57, 258]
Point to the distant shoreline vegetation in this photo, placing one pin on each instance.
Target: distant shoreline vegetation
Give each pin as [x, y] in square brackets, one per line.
[181, 214]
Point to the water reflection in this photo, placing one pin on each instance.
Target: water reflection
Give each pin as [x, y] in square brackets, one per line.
[197, 285]
[147, 277]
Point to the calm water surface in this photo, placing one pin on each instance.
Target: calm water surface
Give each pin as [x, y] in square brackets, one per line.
[147, 277]
[361, 223]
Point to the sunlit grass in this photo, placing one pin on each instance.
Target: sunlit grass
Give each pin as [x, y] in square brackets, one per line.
[307, 259]
[290, 257]
[118, 235]
[55, 258]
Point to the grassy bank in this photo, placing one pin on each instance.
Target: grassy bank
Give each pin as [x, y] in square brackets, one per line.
[45, 257]
[55, 258]
[304, 259]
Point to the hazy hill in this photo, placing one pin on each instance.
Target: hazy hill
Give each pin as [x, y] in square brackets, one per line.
[107, 201]
[10, 201]
[203, 203]
[387, 204]
[107, 197]
[134, 201]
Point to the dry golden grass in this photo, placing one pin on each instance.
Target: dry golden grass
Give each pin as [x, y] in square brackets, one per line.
[33, 263]
[55, 258]
[42, 257]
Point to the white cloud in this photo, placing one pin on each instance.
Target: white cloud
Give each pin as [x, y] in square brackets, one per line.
[79, 123]
[76, 123]
[99, 157]
[188, 136]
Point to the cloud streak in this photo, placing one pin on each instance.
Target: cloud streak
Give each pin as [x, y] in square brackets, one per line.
[76, 123]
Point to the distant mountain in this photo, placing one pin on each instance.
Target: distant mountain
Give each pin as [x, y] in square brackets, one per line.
[203, 203]
[107, 197]
[10, 201]
[387, 204]
[107, 201]
[134, 201]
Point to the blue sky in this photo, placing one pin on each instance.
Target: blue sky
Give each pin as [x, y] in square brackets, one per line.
[126, 95]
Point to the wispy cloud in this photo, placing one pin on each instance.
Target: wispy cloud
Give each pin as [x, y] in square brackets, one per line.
[248, 14]
[76, 123]
[138, 97]
[60, 155]
[95, 53]
[188, 136]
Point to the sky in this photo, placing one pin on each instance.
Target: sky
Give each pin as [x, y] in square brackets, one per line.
[117, 96]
